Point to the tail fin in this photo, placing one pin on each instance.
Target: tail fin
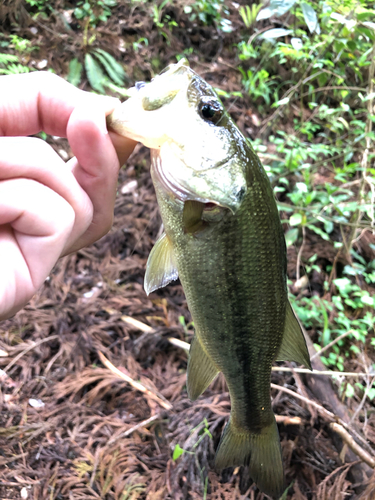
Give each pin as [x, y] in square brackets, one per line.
[262, 452]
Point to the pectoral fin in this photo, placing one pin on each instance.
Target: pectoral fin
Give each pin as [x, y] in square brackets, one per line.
[160, 269]
[200, 370]
[293, 347]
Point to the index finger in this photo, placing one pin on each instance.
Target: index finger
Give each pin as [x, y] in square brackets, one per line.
[32, 102]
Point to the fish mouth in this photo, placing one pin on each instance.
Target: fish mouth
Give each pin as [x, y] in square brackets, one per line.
[210, 206]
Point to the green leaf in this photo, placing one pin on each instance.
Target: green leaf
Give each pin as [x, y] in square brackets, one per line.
[75, 72]
[281, 102]
[177, 452]
[318, 231]
[296, 43]
[8, 58]
[113, 68]
[276, 8]
[366, 299]
[349, 393]
[95, 73]
[291, 236]
[275, 33]
[310, 18]
[370, 25]
[295, 219]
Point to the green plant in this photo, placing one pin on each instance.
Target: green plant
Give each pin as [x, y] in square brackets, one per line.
[249, 14]
[39, 4]
[94, 11]
[159, 19]
[202, 430]
[321, 166]
[101, 68]
[10, 65]
[210, 12]
[21, 45]
[258, 84]
[140, 43]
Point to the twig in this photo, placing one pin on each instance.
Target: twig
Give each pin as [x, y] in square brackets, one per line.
[360, 406]
[285, 420]
[184, 345]
[144, 423]
[329, 373]
[333, 87]
[4, 461]
[30, 348]
[325, 348]
[137, 385]
[323, 411]
[348, 439]
[148, 329]
[179, 343]
[137, 324]
[299, 255]
[364, 162]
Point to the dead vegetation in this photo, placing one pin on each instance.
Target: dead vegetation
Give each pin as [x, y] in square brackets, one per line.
[70, 427]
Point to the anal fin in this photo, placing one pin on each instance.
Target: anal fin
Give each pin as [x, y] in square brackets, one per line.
[293, 347]
[200, 370]
[160, 269]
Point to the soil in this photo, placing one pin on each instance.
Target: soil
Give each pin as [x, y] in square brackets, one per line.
[70, 428]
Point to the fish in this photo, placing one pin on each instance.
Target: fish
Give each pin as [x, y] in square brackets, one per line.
[224, 240]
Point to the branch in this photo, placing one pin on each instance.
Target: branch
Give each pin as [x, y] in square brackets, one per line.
[347, 438]
[136, 385]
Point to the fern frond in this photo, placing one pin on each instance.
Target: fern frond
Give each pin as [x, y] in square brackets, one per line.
[14, 69]
[75, 72]
[119, 90]
[8, 58]
[113, 68]
[95, 73]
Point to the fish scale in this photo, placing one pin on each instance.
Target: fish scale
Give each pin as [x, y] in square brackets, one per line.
[224, 239]
[247, 319]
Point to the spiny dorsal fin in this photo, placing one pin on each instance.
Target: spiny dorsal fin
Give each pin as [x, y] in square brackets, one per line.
[160, 269]
[200, 370]
[293, 346]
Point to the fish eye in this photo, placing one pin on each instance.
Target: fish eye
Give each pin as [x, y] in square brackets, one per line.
[210, 111]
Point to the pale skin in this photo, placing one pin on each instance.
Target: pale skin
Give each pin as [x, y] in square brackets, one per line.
[48, 207]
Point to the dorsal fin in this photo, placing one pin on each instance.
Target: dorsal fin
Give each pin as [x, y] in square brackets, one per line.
[160, 269]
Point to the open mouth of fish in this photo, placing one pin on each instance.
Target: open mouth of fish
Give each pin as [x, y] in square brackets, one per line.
[198, 216]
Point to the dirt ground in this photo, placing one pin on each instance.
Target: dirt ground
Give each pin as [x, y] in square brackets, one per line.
[72, 428]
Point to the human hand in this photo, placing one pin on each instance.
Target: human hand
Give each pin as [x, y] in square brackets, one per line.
[49, 208]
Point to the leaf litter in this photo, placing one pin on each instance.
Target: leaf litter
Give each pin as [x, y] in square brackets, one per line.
[96, 436]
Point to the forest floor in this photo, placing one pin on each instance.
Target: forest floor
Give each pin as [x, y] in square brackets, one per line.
[70, 426]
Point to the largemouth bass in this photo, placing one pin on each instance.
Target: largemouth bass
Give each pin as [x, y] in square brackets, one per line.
[224, 240]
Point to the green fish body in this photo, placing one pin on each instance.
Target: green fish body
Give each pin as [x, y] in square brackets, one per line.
[224, 240]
